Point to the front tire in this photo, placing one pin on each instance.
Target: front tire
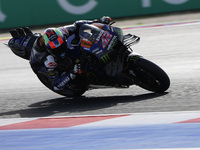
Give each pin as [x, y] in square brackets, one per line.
[149, 76]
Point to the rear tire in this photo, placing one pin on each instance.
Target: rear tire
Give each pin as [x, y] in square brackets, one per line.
[149, 76]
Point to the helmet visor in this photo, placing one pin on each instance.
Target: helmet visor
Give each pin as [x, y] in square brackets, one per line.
[60, 51]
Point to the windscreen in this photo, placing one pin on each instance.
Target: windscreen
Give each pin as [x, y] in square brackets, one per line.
[98, 40]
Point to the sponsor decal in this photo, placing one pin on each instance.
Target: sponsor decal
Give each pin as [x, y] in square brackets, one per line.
[64, 31]
[86, 44]
[112, 43]
[106, 59]
[77, 10]
[176, 2]
[53, 37]
[147, 3]
[2, 15]
[99, 36]
[41, 41]
[106, 37]
[96, 50]
[99, 52]
[64, 82]
[133, 58]
[52, 64]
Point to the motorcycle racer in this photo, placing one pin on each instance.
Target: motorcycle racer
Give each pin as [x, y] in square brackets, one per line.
[97, 55]
[55, 53]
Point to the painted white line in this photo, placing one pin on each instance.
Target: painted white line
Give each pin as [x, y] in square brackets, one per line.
[148, 119]
[9, 121]
[132, 119]
[161, 25]
[166, 149]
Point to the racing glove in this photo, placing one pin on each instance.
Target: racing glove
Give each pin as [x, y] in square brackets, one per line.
[105, 20]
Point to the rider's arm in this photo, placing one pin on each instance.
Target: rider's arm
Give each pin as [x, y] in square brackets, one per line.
[73, 29]
[104, 20]
[60, 79]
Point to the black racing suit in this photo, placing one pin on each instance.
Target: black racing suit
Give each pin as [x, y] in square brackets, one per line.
[61, 72]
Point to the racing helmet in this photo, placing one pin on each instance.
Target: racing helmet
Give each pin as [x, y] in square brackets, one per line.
[55, 42]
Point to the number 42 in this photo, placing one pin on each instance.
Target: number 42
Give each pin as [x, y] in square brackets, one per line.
[106, 37]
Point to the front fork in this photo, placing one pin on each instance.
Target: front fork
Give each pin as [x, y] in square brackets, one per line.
[132, 57]
[128, 73]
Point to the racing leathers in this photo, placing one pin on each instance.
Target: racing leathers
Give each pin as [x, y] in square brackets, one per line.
[61, 72]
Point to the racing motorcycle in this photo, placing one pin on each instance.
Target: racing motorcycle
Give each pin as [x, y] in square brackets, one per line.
[121, 67]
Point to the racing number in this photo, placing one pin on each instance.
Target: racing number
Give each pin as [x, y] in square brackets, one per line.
[106, 37]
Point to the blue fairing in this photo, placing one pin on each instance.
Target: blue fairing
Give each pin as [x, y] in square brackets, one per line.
[99, 39]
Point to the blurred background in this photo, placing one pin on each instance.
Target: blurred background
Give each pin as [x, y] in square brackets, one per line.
[18, 13]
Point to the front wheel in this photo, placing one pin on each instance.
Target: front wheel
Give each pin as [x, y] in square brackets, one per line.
[149, 76]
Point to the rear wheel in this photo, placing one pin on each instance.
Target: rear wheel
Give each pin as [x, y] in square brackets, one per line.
[149, 76]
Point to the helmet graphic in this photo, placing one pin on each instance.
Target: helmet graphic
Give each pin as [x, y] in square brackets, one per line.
[55, 42]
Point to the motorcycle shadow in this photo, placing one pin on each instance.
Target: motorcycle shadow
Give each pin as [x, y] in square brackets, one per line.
[77, 105]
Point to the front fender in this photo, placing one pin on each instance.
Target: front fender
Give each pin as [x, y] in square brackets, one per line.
[133, 57]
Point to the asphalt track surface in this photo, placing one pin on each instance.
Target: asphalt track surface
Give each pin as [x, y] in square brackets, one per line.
[175, 48]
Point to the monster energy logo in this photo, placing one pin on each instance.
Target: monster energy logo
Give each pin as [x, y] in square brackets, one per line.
[105, 59]
[133, 58]
[119, 31]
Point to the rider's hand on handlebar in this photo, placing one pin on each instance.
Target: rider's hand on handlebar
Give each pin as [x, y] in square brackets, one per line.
[105, 20]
